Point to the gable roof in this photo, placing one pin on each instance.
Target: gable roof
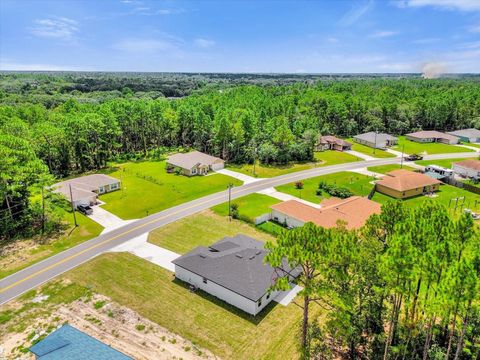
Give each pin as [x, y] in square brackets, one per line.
[191, 159]
[470, 133]
[83, 187]
[370, 137]
[354, 210]
[329, 139]
[68, 342]
[470, 164]
[235, 263]
[403, 180]
[432, 134]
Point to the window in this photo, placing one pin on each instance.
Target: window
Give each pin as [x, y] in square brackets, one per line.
[205, 281]
[101, 189]
[113, 186]
[268, 296]
[194, 170]
[259, 302]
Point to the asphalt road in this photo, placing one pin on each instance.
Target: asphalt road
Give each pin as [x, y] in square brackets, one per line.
[35, 275]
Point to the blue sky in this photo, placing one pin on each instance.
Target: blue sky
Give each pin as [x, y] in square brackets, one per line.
[241, 36]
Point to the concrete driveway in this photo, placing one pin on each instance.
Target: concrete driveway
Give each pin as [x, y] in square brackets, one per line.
[108, 220]
[360, 155]
[242, 177]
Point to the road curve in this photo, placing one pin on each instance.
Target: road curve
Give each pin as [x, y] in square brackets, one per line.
[38, 273]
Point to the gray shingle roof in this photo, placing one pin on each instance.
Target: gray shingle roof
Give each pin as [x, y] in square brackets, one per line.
[370, 137]
[235, 263]
[83, 187]
[470, 133]
[190, 159]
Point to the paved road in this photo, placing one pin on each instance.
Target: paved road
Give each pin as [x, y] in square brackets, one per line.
[35, 275]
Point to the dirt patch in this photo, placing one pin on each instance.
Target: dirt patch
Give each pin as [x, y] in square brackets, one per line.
[115, 325]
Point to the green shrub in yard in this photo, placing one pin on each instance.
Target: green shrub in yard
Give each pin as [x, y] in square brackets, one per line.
[140, 327]
[333, 190]
[99, 304]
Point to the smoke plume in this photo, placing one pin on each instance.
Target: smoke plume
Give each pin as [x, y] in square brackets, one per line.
[433, 70]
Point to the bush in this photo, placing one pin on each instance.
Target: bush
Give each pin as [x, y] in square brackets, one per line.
[333, 190]
[299, 185]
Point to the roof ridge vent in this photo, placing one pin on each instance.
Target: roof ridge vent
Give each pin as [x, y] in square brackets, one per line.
[239, 256]
[203, 256]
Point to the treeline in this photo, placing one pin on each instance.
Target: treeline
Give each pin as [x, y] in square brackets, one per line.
[406, 286]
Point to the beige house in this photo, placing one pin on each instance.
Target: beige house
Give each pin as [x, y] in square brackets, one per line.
[85, 190]
[376, 140]
[194, 163]
[432, 136]
[402, 184]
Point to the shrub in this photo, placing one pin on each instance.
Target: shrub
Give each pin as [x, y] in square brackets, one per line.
[333, 190]
[299, 185]
[140, 327]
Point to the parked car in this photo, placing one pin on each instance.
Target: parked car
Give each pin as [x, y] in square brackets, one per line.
[85, 209]
[413, 157]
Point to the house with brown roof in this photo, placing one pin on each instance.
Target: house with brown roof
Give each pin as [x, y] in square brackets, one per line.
[85, 190]
[329, 142]
[402, 184]
[354, 211]
[467, 168]
[432, 136]
[194, 163]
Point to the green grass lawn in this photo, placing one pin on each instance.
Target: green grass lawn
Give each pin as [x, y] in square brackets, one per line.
[323, 158]
[477, 145]
[446, 163]
[146, 186]
[70, 237]
[412, 147]
[227, 332]
[249, 207]
[201, 229]
[383, 169]
[369, 151]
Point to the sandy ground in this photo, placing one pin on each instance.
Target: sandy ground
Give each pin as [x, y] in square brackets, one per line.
[115, 325]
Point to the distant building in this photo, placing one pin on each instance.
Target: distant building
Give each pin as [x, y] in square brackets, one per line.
[85, 189]
[432, 136]
[402, 184]
[376, 140]
[329, 142]
[233, 270]
[194, 163]
[354, 211]
[467, 135]
[70, 343]
[467, 168]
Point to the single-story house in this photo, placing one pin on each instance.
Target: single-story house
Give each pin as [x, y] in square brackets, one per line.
[403, 184]
[234, 271]
[432, 136]
[438, 172]
[329, 142]
[467, 168]
[376, 140]
[354, 211]
[467, 135]
[85, 189]
[194, 163]
[68, 342]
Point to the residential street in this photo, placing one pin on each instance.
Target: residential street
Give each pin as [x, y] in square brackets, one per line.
[33, 276]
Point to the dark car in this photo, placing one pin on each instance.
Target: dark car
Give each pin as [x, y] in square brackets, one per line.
[413, 157]
[85, 209]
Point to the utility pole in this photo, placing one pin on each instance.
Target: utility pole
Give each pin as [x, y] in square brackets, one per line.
[73, 207]
[401, 160]
[230, 201]
[43, 212]
[254, 160]
[375, 145]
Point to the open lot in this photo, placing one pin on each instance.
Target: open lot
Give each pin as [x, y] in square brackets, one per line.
[369, 151]
[383, 169]
[147, 187]
[203, 228]
[323, 158]
[153, 293]
[412, 147]
[23, 253]
[249, 207]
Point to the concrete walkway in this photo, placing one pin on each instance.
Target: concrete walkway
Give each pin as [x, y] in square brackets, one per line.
[469, 147]
[360, 155]
[150, 252]
[247, 179]
[285, 197]
[286, 297]
[395, 152]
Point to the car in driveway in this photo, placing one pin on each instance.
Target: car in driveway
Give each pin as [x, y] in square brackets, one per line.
[85, 209]
[413, 157]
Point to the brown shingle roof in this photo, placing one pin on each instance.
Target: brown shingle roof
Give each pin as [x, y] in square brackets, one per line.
[432, 134]
[470, 164]
[354, 210]
[404, 180]
[190, 159]
[330, 139]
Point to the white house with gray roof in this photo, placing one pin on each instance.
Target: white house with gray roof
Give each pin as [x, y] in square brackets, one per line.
[376, 140]
[467, 135]
[232, 270]
[194, 163]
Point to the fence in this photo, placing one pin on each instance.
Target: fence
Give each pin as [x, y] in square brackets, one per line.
[262, 218]
[460, 184]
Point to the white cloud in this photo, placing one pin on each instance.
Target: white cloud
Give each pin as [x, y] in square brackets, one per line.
[462, 5]
[426, 41]
[398, 67]
[474, 28]
[203, 43]
[146, 45]
[356, 12]
[332, 40]
[12, 66]
[55, 27]
[383, 34]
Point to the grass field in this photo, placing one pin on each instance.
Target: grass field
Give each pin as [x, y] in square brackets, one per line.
[412, 147]
[446, 163]
[383, 169]
[323, 158]
[148, 187]
[153, 293]
[38, 249]
[369, 151]
[204, 229]
[249, 207]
